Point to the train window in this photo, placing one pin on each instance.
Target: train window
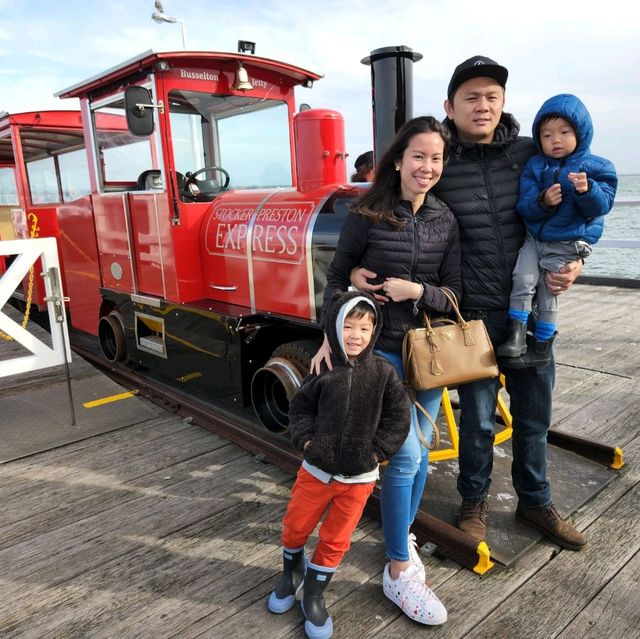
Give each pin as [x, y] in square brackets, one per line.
[8, 189]
[56, 164]
[255, 149]
[122, 156]
[43, 183]
[243, 141]
[8, 198]
[74, 175]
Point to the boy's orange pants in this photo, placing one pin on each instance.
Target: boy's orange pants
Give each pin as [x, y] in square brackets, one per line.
[309, 499]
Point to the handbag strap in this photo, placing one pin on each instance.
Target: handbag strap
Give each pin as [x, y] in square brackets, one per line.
[436, 432]
[448, 293]
[464, 325]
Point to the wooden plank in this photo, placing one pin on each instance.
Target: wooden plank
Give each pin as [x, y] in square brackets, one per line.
[160, 507]
[582, 575]
[87, 493]
[241, 617]
[470, 599]
[202, 564]
[596, 329]
[601, 410]
[614, 612]
[104, 454]
[102, 544]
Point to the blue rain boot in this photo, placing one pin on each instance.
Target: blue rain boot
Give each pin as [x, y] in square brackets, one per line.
[318, 624]
[283, 597]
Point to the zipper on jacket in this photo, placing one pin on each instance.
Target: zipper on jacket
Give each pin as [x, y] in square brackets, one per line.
[494, 214]
[416, 241]
[556, 176]
[349, 410]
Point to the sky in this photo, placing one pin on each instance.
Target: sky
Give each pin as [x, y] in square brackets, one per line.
[588, 48]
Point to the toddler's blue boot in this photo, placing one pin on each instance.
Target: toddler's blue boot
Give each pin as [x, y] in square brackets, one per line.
[318, 624]
[283, 597]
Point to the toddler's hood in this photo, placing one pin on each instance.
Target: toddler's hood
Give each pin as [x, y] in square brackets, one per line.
[570, 108]
[341, 304]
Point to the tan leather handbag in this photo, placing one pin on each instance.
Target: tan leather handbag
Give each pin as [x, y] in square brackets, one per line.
[448, 352]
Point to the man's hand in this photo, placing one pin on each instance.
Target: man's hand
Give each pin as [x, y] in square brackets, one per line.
[324, 353]
[579, 181]
[558, 283]
[360, 279]
[552, 196]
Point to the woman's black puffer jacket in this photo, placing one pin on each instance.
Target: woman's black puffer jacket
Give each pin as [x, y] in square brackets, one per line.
[425, 250]
[480, 184]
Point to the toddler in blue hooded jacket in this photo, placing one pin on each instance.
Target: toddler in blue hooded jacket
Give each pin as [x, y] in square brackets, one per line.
[565, 192]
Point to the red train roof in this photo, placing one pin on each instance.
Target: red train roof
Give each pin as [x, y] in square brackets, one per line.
[49, 132]
[145, 61]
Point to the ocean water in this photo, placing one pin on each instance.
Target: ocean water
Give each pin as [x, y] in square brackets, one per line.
[622, 223]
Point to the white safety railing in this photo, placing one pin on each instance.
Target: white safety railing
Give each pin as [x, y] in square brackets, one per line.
[634, 244]
[27, 253]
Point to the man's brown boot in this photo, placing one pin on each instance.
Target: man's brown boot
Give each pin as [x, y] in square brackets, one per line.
[473, 518]
[549, 521]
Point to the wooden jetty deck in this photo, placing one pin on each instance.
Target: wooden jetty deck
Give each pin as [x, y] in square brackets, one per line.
[161, 529]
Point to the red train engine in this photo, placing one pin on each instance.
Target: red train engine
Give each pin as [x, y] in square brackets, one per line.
[201, 253]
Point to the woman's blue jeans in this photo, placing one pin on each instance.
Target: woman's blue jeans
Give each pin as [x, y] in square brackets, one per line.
[406, 474]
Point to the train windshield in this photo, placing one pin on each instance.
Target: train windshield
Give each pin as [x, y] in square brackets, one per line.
[228, 141]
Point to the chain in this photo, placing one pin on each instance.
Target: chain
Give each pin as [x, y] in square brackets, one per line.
[35, 230]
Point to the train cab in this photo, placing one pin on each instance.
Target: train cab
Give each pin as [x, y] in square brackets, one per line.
[212, 217]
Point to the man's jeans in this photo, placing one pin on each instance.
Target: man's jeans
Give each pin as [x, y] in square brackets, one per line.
[530, 391]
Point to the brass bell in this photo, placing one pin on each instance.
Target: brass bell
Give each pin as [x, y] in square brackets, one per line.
[242, 80]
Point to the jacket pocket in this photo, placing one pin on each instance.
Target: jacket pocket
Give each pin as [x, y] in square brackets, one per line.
[357, 456]
[323, 452]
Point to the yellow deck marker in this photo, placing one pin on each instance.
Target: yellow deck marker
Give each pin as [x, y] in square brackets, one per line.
[111, 398]
[484, 559]
[618, 458]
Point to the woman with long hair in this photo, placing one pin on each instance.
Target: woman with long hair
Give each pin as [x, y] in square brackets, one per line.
[408, 240]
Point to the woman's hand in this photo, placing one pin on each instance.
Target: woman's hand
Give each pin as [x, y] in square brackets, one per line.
[401, 290]
[360, 279]
[558, 283]
[324, 353]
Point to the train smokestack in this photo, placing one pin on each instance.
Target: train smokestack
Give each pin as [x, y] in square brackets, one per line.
[391, 92]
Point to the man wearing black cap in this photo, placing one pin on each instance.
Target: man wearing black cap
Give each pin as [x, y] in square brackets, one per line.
[480, 185]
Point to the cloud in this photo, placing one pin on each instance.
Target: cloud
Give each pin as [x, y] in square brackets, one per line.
[549, 47]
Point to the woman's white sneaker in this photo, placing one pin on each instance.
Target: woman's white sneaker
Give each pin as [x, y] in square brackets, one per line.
[414, 598]
[414, 555]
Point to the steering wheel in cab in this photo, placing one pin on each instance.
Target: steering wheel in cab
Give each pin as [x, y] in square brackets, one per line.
[203, 190]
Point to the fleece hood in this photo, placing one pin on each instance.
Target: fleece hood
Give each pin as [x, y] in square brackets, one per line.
[341, 304]
[572, 109]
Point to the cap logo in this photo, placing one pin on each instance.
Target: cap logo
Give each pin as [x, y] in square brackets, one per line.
[477, 63]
